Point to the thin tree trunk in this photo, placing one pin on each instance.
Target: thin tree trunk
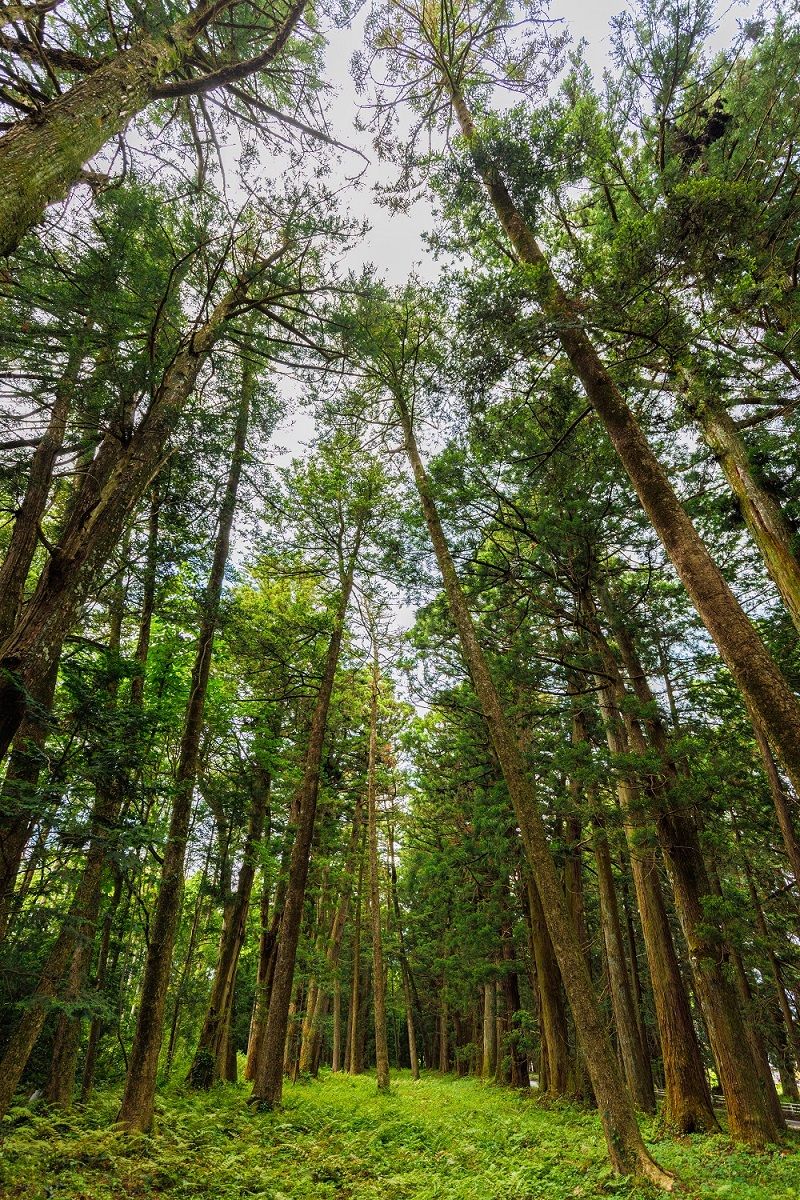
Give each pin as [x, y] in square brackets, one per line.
[352, 1022]
[489, 1060]
[311, 1035]
[210, 1059]
[136, 1111]
[552, 1013]
[625, 1145]
[268, 1085]
[637, 1071]
[379, 978]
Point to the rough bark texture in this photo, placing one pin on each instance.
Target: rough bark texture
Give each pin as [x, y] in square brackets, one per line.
[136, 1111]
[756, 674]
[751, 1115]
[42, 156]
[762, 514]
[378, 975]
[637, 1070]
[26, 1034]
[626, 1147]
[268, 1085]
[114, 483]
[554, 1069]
[687, 1100]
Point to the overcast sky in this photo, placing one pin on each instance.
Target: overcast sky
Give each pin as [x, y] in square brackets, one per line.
[395, 243]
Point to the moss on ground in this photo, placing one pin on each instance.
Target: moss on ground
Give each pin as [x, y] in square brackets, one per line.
[448, 1139]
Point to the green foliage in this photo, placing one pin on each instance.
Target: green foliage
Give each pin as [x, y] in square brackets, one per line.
[449, 1139]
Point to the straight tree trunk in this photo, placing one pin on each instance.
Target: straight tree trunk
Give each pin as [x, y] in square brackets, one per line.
[625, 1145]
[750, 1112]
[210, 1059]
[268, 1085]
[637, 1069]
[687, 1100]
[379, 978]
[136, 1111]
[552, 1013]
[312, 1036]
[489, 1060]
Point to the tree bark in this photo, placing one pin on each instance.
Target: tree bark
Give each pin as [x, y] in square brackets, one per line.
[750, 1113]
[378, 976]
[268, 1085]
[625, 1145]
[42, 156]
[755, 672]
[114, 483]
[136, 1111]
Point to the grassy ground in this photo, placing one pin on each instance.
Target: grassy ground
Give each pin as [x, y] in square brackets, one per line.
[447, 1139]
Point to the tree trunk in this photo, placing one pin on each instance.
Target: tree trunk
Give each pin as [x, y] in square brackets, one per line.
[751, 1115]
[687, 1100]
[552, 1013]
[42, 156]
[489, 1060]
[18, 812]
[114, 483]
[625, 1145]
[311, 1036]
[268, 1085]
[136, 1111]
[637, 1070]
[26, 1034]
[756, 674]
[210, 1059]
[379, 978]
[762, 514]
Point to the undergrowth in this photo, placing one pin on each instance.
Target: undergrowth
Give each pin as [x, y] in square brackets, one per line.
[438, 1139]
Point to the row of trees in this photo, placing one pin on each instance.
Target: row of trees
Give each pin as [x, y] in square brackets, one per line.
[603, 545]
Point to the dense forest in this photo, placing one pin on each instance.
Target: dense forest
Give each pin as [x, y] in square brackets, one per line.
[399, 669]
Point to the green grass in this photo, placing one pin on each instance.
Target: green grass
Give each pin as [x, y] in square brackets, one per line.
[439, 1139]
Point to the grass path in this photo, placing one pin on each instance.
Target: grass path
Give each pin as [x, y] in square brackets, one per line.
[439, 1139]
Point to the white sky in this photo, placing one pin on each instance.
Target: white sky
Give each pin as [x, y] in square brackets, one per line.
[395, 243]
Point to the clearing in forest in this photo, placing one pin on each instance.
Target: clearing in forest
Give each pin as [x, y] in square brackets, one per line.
[448, 1138]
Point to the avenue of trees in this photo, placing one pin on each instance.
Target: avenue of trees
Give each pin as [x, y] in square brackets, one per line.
[467, 736]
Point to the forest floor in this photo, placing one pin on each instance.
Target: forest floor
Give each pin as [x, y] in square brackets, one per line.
[448, 1139]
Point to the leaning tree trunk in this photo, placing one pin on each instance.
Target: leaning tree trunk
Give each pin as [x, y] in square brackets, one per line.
[27, 1033]
[42, 156]
[625, 1145]
[756, 674]
[20, 807]
[268, 1085]
[113, 485]
[762, 514]
[136, 1111]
